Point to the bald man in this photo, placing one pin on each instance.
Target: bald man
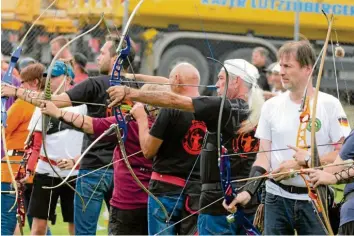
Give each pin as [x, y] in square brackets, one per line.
[240, 116]
[174, 141]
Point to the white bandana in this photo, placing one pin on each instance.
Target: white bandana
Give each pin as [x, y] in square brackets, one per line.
[244, 69]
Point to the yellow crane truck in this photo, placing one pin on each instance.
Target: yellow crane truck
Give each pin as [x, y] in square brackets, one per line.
[167, 32]
[171, 31]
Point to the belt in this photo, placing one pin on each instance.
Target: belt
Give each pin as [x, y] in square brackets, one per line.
[168, 179]
[15, 153]
[54, 163]
[211, 186]
[290, 188]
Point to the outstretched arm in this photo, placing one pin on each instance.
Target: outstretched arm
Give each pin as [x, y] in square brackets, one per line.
[155, 98]
[147, 78]
[78, 121]
[61, 100]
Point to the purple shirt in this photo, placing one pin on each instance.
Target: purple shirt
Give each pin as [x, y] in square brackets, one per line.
[10, 101]
[127, 194]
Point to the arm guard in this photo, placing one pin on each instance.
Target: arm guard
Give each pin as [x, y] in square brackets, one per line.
[253, 185]
[344, 176]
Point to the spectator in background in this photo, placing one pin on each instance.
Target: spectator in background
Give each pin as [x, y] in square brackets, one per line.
[274, 78]
[80, 71]
[259, 59]
[269, 74]
[56, 44]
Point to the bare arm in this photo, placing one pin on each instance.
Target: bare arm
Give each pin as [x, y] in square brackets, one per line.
[149, 144]
[62, 100]
[148, 78]
[332, 156]
[263, 158]
[155, 98]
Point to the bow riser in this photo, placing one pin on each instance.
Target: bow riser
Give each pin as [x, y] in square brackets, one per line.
[7, 78]
[116, 81]
[321, 191]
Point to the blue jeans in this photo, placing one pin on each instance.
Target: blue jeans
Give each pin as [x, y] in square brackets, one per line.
[283, 216]
[216, 225]
[157, 219]
[8, 219]
[101, 184]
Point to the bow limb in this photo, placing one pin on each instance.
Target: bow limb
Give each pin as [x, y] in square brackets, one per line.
[47, 96]
[108, 131]
[8, 79]
[315, 161]
[14, 183]
[125, 158]
[119, 117]
[301, 142]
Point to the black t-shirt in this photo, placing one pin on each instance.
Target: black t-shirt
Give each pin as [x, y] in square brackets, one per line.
[93, 90]
[182, 137]
[234, 113]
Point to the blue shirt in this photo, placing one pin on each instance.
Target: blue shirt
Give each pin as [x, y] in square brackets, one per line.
[347, 153]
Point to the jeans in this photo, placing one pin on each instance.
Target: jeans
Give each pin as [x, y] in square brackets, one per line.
[283, 216]
[216, 225]
[8, 219]
[157, 219]
[94, 188]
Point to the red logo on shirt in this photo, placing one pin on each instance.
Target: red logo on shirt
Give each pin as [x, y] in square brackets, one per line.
[193, 140]
[245, 142]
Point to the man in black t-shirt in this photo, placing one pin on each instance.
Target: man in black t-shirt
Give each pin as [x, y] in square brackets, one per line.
[237, 135]
[98, 186]
[174, 141]
[259, 60]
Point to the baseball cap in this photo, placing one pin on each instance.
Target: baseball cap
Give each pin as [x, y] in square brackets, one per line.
[276, 68]
[61, 68]
[270, 67]
[25, 62]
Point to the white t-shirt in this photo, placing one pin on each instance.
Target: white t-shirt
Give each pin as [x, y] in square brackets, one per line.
[62, 141]
[279, 123]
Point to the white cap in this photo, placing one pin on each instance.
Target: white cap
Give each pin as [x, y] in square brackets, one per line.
[244, 69]
[276, 68]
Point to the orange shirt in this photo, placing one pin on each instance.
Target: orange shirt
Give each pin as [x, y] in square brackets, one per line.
[16, 132]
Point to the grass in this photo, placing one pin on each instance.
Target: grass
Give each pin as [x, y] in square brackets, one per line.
[61, 228]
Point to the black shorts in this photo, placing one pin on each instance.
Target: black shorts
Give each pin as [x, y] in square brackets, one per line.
[40, 198]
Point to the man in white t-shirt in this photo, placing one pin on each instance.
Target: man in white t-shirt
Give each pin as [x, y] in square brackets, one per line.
[63, 143]
[287, 205]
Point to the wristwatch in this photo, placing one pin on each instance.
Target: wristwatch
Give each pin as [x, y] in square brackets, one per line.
[307, 159]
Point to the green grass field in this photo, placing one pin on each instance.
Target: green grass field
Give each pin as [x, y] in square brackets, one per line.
[61, 228]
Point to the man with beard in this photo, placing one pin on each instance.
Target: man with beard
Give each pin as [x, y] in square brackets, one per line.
[287, 204]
